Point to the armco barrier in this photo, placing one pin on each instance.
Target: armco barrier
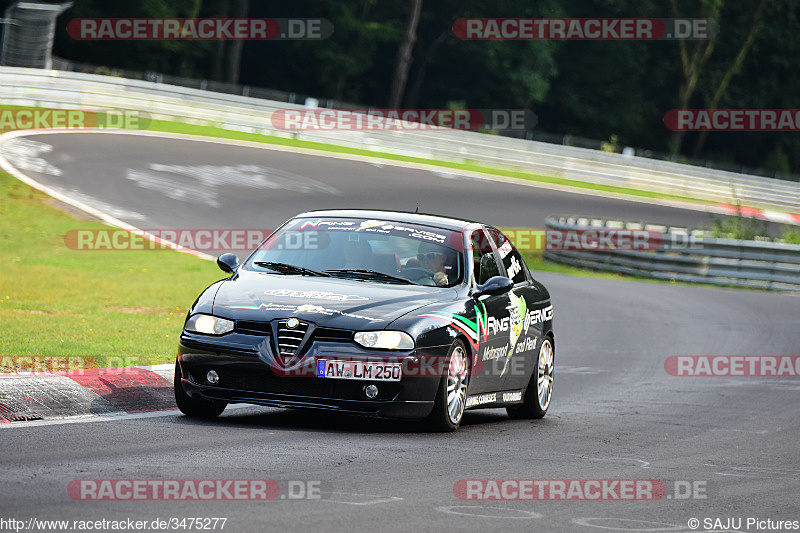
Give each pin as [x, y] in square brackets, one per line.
[686, 255]
[50, 88]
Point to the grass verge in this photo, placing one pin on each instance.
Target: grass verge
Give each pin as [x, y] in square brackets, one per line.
[100, 304]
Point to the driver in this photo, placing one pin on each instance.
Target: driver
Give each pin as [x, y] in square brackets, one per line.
[433, 257]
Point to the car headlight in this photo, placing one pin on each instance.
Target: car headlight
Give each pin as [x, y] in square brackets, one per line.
[385, 340]
[210, 325]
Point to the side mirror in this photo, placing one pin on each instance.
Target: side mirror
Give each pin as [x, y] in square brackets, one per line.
[229, 263]
[494, 286]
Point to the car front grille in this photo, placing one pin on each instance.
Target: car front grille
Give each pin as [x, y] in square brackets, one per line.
[290, 339]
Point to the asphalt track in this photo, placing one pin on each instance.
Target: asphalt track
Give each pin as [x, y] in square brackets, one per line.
[616, 413]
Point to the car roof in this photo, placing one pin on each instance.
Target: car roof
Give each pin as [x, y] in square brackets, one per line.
[424, 219]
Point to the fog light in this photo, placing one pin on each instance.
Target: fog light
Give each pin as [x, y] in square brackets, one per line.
[212, 377]
[371, 391]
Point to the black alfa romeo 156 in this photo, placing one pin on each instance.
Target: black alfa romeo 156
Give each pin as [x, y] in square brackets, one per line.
[395, 315]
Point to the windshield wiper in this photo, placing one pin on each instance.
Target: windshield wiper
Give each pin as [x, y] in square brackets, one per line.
[286, 268]
[369, 274]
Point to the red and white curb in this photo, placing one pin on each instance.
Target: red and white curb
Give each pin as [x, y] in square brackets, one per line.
[86, 393]
[763, 214]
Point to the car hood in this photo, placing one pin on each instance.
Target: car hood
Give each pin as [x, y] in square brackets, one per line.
[329, 302]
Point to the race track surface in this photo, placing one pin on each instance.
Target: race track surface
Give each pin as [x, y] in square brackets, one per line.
[162, 182]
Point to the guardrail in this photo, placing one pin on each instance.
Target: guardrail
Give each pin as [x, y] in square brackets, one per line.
[49, 88]
[685, 255]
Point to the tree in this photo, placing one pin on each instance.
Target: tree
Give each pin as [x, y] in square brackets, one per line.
[692, 61]
[733, 68]
[234, 61]
[398, 86]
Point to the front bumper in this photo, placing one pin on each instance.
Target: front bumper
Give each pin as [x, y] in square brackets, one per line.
[250, 374]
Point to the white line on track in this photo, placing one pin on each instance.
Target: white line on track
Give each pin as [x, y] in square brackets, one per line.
[374, 498]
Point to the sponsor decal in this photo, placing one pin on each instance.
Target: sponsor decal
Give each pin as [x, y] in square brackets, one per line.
[538, 316]
[505, 250]
[494, 397]
[517, 308]
[499, 352]
[514, 268]
[316, 309]
[473, 330]
[315, 295]
[376, 226]
[328, 223]
[371, 224]
[302, 309]
[481, 399]
[515, 396]
[308, 308]
[484, 324]
[518, 319]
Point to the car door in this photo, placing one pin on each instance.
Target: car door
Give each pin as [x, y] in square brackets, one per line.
[526, 316]
[492, 319]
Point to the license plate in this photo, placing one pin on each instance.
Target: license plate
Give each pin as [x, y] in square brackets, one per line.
[361, 370]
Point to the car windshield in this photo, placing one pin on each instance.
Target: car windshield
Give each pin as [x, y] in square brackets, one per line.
[370, 250]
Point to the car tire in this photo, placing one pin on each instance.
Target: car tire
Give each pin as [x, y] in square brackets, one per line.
[195, 407]
[451, 397]
[539, 392]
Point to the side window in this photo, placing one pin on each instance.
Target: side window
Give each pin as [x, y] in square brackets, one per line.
[511, 258]
[483, 257]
